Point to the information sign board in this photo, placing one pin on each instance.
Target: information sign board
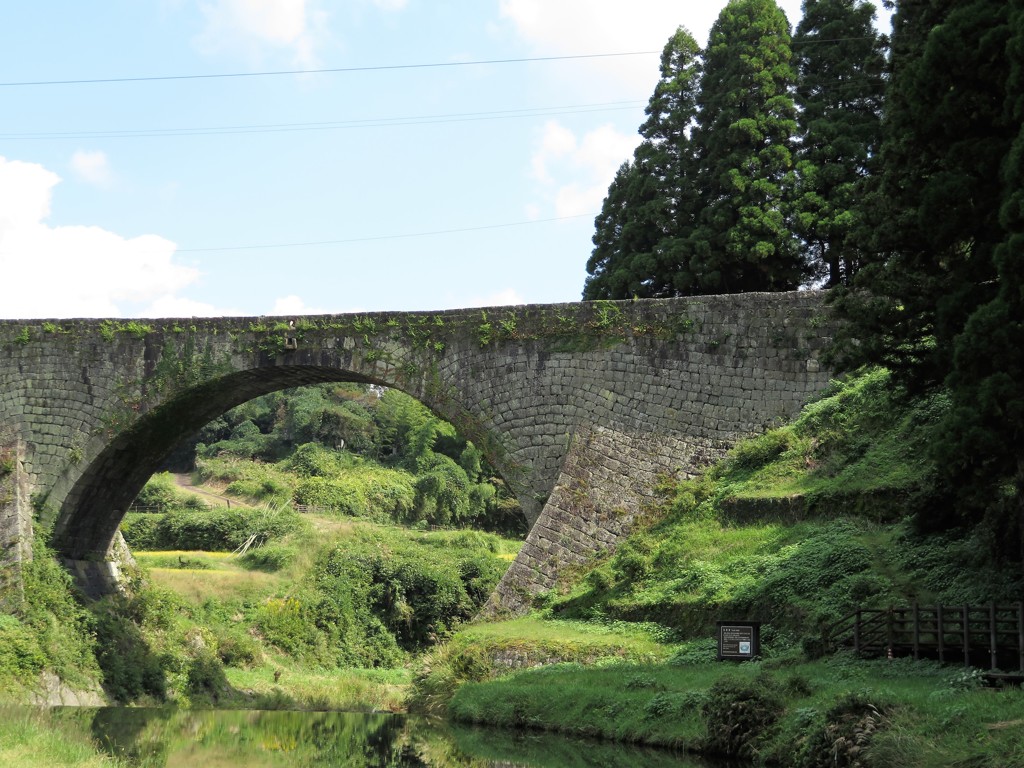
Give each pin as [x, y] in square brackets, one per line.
[739, 639]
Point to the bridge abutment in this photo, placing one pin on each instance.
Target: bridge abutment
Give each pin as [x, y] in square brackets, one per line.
[15, 520]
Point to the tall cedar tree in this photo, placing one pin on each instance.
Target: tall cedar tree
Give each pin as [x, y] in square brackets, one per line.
[649, 207]
[982, 453]
[932, 213]
[626, 233]
[841, 65]
[744, 153]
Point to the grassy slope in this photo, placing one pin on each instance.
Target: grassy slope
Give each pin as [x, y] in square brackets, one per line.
[773, 534]
[30, 738]
[223, 596]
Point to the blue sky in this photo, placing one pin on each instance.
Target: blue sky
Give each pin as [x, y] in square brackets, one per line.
[386, 188]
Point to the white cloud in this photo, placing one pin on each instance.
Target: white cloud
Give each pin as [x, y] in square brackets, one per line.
[294, 305]
[252, 28]
[573, 174]
[556, 142]
[570, 27]
[179, 306]
[74, 271]
[507, 297]
[24, 193]
[390, 5]
[92, 167]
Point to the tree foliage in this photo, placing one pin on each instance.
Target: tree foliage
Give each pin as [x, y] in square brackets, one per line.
[363, 452]
[744, 152]
[705, 203]
[649, 209]
[983, 453]
[932, 213]
[939, 297]
[840, 61]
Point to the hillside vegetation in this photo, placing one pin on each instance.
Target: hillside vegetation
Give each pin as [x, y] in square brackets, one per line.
[239, 600]
[795, 528]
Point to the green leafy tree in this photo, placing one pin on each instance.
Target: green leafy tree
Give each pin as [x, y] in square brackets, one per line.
[648, 212]
[744, 153]
[841, 63]
[932, 212]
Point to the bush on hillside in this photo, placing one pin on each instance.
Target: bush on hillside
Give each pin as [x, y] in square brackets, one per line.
[62, 628]
[249, 479]
[739, 715]
[161, 494]
[218, 529]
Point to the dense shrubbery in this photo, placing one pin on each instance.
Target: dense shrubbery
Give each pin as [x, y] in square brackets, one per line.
[366, 596]
[253, 480]
[739, 714]
[161, 494]
[48, 628]
[357, 452]
[379, 595]
[213, 529]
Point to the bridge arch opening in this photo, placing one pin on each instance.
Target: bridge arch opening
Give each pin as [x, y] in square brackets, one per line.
[88, 520]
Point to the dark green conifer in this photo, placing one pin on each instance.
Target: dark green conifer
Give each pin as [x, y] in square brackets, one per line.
[744, 152]
[981, 453]
[626, 233]
[841, 63]
[931, 215]
[649, 205]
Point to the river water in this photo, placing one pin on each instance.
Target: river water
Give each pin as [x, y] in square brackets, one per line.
[166, 738]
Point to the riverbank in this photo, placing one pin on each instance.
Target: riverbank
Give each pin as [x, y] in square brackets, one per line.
[786, 712]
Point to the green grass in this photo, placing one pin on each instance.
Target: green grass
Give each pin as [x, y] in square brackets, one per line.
[927, 715]
[857, 443]
[280, 684]
[30, 738]
[486, 650]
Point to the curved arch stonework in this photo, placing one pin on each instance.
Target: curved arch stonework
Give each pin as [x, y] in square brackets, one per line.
[581, 407]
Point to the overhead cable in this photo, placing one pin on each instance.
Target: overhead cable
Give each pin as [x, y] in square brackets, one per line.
[325, 70]
[381, 122]
[346, 241]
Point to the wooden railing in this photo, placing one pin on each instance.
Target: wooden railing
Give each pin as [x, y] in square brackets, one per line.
[988, 636]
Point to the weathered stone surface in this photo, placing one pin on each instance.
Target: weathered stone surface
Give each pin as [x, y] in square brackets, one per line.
[54, 692]
[15, 522]
[581, 407]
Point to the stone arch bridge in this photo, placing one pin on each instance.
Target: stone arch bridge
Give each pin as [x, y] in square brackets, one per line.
[581, 407]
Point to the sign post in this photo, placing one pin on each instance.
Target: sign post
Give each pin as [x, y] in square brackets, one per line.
[739, 640]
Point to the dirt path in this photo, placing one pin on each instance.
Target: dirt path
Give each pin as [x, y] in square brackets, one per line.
[184, 482]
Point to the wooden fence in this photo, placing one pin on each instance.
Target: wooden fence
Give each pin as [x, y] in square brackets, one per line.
[988, 636]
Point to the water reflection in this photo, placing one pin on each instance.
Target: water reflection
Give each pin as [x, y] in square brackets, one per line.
[160, 738]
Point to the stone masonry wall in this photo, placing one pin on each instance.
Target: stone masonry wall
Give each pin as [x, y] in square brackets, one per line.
[656, 409]
[580, 407]
[15, 522]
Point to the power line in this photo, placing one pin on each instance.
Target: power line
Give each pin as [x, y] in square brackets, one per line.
[346, 241]
[816, 40]
[382, 122]
[327, 70]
